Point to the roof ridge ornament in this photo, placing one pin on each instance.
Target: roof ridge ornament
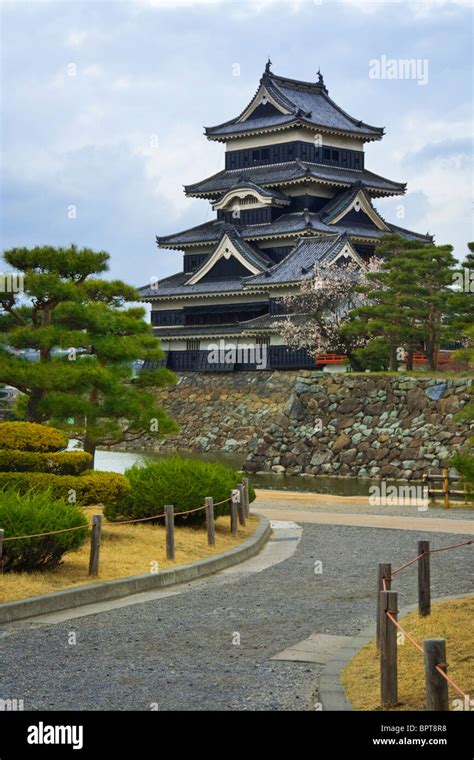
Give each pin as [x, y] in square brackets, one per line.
[301, 112]
[267, 66]
[320, 81]
[302, 166]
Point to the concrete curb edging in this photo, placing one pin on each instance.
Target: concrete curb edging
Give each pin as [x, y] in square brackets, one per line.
[331, 691]
[115, 589]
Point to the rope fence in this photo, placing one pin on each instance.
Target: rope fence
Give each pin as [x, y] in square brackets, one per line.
[239, 509]
[432, 649]
[48, 533]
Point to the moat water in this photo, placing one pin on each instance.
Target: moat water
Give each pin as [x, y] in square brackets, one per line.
[119, 461]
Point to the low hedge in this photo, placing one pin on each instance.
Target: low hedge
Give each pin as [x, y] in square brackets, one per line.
[29, 436]
[182, 482]
[57, 462]
[108, 488]
[38, 513]
[463, 461]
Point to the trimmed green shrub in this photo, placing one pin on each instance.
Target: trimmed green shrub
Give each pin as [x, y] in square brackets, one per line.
[57, 462]
[38, 513]
[182, 482]
[28, 436]
[464, 464]
[107, 488]
[375, 355]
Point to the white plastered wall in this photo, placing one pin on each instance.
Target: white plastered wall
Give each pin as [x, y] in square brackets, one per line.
[290, 135]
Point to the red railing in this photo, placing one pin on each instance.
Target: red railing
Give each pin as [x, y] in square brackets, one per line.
[331, 359]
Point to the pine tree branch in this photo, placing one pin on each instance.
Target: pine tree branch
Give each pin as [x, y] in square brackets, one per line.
[7, 305]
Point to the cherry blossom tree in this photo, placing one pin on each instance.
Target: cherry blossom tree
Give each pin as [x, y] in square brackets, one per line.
[319, 312]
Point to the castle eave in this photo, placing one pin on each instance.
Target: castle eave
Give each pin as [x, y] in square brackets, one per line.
[226, 137]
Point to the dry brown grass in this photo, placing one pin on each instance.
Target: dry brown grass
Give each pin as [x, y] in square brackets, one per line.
[450, 620]
[125, 550]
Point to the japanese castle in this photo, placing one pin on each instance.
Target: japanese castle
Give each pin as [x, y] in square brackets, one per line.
[294, 195]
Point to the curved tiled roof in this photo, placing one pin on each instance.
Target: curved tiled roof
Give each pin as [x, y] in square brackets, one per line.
[250, 253]
[176, 286]
[343, 200]
[293, 268]
[287, 224]
[297, 265]
[286, 173]
[307, 102]
[209, 232]
[339, 202]
[178, 283]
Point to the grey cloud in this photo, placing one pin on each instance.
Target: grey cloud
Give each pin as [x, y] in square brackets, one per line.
[443, 149]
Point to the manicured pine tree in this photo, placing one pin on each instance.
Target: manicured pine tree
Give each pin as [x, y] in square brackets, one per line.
[65, 306]
[409, 297]
[460, 317]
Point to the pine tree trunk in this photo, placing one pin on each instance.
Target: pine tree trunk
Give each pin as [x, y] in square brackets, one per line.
[356, 365]
[90, 447]
[90, 444]
[393, 355]
[431, 354]
[410, 353]
[32, 413]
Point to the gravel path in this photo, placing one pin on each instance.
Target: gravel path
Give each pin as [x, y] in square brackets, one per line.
[354, 505]
[178, 652]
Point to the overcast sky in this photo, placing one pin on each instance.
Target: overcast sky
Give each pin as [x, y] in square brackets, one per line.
[104, 103]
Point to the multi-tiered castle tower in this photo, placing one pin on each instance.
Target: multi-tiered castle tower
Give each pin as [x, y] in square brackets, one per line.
[294, 193]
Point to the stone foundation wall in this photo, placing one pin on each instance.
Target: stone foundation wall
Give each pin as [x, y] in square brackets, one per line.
[314, 423]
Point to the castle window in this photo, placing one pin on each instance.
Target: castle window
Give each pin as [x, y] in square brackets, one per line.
[335, 155]
[265, 154]
[326, 154]
[255, 155]
[193, 344]
[249, 200]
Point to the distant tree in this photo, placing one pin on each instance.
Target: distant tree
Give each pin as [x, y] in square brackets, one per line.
[463, 460]
[375, 355]
[460, 316]
[408, 298]
[88, 385]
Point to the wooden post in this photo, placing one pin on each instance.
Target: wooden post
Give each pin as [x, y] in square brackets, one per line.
[245, 482]
[169, 524]
[241, 505]
[424, 591]
[95, 544]
[427, 484]
[2, 533]
[388, 650]
[211, 528]
[446, 487]
[233, 514]
[436, 685]
[385, 571]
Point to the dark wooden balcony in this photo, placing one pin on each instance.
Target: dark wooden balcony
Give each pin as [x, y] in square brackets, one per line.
[279, 357]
